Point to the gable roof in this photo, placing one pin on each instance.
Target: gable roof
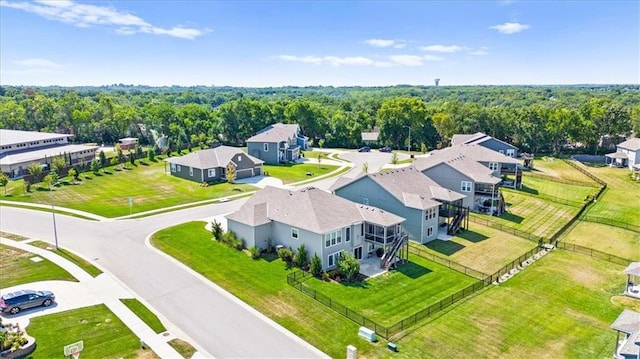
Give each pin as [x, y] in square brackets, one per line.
[276, 132]
[410, 187]
[476, 138]
[310, 208]
[370, 136]
[462, 164]
[632, 144]
[474, 152]
[12, 137]
[211, 158]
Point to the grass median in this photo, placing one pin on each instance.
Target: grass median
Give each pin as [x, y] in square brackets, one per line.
[19, 267]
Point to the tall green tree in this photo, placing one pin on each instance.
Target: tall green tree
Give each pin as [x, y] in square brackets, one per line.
[35, 169]
[4, 181]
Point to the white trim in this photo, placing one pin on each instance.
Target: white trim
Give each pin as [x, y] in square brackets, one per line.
[295, 233]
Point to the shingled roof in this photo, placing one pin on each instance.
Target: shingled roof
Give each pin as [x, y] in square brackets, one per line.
[474, 152]
[475, 138]
[466, 166]
[276, 132]
[211, 158]
[310, 208]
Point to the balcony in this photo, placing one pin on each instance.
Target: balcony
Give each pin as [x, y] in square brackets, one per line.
[486, 189]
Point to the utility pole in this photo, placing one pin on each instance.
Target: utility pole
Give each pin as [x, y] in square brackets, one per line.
[53, 214]
[409, 144]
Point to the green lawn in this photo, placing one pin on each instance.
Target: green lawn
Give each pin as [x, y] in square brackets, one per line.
[481, 248]
[290, 173]
[420, 281]
[104, 335]
[555, 167]
[263, 285]
[16, 267]
[107, 194]
[621, 199]
[562, 191]
[88, 267]
[562, 306]
[533, 215]
[608, 239]
[182, 347]
[145, 314]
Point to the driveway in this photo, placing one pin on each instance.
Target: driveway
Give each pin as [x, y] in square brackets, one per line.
[217, 321]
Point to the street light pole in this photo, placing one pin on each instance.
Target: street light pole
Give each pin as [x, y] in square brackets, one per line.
[53, 213]
[409, 144]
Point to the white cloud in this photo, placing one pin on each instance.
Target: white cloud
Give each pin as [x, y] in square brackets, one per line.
[397, 44]
[432, 58]
[510, 27]
[38, 64]
[482, 51]
[82, 15]
[407, 60]
[441, 48]
[331, 60]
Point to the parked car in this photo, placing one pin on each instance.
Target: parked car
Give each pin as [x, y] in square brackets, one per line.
[386, 149]
[24, 299]
[364, 149]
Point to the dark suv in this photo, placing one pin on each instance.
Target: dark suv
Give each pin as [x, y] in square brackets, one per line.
[25, 299]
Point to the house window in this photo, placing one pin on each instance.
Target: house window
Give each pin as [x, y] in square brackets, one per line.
[294, 233]
[191, 171]
[332, 259]
[239, 158]
[429, 231]
[178, 168]
[173, 167]
[493, 166]
[365, 201]
[511, 152]
[333, 238]
[347, 235]
[465, 186]
[430, 213]
[211, 172]
[266, 147]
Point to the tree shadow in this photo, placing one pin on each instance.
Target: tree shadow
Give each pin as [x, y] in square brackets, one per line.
[529, 190]
[512, 217]
[413, 270]
[445, 247]
[472, 236]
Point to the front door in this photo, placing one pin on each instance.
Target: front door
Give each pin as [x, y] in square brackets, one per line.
[357, 252]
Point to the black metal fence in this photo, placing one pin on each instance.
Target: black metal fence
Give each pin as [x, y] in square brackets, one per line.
[558, 200]
[562, 180]
[610, 222]
[447, 262]
[514, 263]
[593, 253]
[584, 171]
[507, 229]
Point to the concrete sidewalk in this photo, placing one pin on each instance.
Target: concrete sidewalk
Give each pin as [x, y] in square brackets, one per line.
[103, 289]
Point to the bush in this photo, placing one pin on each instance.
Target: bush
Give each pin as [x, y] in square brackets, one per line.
[348, 266]
[316, 266]
[217, 230]
[286, 255]
[229, 238]
[254, 252]
[301, 257]
[326, 276]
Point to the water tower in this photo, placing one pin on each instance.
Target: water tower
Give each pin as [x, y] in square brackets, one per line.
[437, 81]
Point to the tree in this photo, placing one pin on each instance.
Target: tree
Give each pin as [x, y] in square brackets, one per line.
[95, 166]
[103, 159]
[321, 156]
[394, 158]
[216, 230]
[316, 265]
[51, 179]
[35, 169]
[114, 161]
[301, 257]
[73, 173]
[4, 181]
[348, 266]
[151, 154]
[58, 164]
[230, 175]
[365, 167]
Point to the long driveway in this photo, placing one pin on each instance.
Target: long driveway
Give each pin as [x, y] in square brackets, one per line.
[219, 323]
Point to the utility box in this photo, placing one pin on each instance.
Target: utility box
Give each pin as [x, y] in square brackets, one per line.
[392, 346]
[352, 352]
[368, 334]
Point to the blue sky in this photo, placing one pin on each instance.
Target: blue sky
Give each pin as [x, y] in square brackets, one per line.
[310, 43]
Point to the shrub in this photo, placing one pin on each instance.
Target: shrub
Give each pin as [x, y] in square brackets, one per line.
[217, 230]
[301, 257]
[254, 252]
[316, 266]
[326, 276]
[286, 255]
[348, 266]
[229, 238]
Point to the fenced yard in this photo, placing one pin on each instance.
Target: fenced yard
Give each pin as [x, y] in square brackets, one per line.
[621, 199]
[555, 167]
[562, 191]
[605, 238]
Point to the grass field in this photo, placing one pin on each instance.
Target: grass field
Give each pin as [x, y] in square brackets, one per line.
[420, 281]
[555, 167]
[617, 241]
[560, 307]
[16, 267]
[182, 347]
[562, 191]
[621, 200]
[481, 248]
[107, 194]
[104, 335]
[290, 173]
[145, 314]
[88, 267]
[263, 285]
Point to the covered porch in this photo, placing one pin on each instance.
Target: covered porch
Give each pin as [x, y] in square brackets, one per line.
[616, 159]
[632, 289]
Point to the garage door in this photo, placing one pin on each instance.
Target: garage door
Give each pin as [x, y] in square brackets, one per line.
[246, 173]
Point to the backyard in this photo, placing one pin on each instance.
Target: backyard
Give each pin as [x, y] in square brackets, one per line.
[608, 239]
[621, 199]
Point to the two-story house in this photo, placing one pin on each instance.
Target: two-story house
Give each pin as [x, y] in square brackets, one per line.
[484, 140]
[212, 164]
[326, 224]
[277, 143]
[18, 149]
[627, 154]
[424, 204]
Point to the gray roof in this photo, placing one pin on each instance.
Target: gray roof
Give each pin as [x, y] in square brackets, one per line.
[475, 138]
[629, 322]
[617, 155]
[310, 208]
[462, 164]
[211, 158]
[633, 269]
[410, 187]
[276, 133]
[632, 144]
[39, 153]
[474, 152]
[12, 137]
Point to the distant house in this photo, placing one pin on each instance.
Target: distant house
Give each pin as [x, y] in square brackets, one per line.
[627, 154]
[212, 164]
[408, 193]
[18, 149]
[486, 141]
[627, 324]
[370, 138]
[467, 176]
[128, 143]
[277, 143]
[326, 224]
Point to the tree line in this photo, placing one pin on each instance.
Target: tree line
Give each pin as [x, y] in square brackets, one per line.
[534, 118]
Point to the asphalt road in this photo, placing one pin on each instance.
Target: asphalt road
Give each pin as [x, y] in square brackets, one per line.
[219, 324]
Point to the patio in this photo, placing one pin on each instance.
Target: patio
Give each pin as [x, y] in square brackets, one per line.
[370, 266]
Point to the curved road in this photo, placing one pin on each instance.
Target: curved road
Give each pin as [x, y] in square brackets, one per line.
[219, 323]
